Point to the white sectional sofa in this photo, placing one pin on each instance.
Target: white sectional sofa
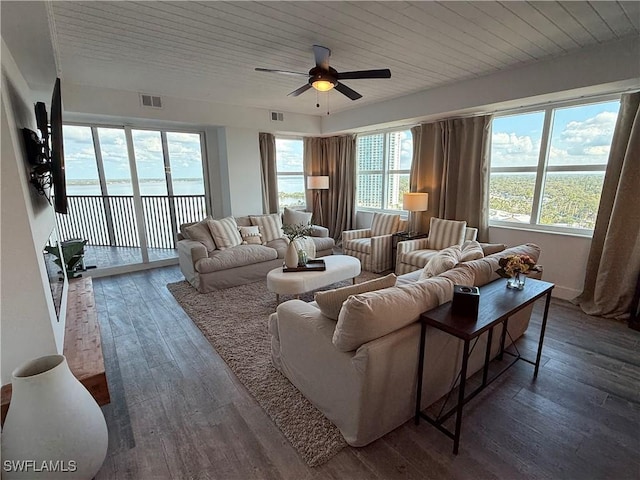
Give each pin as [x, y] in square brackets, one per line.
[361, 371]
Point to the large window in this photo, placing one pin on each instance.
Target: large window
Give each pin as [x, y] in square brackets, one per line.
[547, 167]
[384, 163]
[290, 168]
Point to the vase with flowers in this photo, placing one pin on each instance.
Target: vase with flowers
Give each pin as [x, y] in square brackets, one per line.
[295, 257]
[514, 268]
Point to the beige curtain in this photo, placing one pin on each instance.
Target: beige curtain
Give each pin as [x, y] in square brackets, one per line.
[335, 157]
[451, 164]
[614, 259]
[269, 173]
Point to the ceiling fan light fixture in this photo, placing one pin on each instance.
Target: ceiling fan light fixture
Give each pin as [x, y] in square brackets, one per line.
[323, 85]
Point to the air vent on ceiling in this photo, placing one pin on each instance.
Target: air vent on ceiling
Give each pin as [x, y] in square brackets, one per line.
[150, 101]
[277, 116]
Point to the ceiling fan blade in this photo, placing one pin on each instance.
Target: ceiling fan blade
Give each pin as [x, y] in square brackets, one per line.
[300, 90]
[381, 73]
[352, 94]
[286, 72]
[322, 55]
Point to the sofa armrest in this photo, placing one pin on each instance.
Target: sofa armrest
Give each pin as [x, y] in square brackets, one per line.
[192, 249]
[407, 246]
[348, 235]
[319, 231]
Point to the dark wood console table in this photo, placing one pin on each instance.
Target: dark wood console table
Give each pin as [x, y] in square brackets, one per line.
[497, 304]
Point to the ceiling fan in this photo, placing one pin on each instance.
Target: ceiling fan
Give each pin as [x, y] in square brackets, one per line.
[323, 78]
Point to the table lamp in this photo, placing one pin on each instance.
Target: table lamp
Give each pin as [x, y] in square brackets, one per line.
[414, 202]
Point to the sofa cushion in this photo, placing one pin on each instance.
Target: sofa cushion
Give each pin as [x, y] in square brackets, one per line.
[367, 316]
[280, 246]
[251, 235]
[295, 217]
[330, 301]
[200, 232]
[491, 248]
[271, 226]
[360, 245]
[237, 256]
[384, 224]
[225, 232]
[442, 261]
[484, 269]
[471, 250]
[444, 233]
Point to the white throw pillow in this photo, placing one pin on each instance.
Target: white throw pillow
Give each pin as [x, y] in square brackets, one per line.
[384, 224]
[441, 262]
[444, 233]
[330, 301]
[295, 217]
[270, 226]
[251, 235]
[225, 232]
[471, 250]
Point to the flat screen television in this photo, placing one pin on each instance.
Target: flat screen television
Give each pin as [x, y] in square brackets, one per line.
[46, 152]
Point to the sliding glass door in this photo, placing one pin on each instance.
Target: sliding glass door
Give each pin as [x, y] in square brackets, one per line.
[129, 190]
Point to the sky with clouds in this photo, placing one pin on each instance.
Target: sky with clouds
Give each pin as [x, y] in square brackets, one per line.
[579, 136]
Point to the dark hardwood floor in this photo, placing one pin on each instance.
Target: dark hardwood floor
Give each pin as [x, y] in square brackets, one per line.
[177, 411]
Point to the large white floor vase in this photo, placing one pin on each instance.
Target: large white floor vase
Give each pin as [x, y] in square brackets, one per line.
[54, 428]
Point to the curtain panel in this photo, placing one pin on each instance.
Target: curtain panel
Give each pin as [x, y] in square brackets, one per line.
[451, 164]
[335, 157]
[613, 265]
[268, 170]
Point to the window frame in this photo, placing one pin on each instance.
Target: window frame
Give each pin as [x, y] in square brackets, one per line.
[386, 172]
[542, 168]
[302, 173]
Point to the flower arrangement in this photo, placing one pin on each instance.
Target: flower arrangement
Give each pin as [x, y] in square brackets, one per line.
[297, 231]
[513, 265]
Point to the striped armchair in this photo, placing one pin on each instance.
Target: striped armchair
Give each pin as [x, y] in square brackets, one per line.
[373, 246]
[414, 254]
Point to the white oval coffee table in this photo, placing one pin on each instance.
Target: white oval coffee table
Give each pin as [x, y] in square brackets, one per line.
[339, 268]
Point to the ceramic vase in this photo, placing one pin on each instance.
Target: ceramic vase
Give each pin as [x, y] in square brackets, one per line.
[54, 428]
[291, 256]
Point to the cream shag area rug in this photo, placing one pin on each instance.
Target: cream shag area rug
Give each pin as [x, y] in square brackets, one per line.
[235, 321]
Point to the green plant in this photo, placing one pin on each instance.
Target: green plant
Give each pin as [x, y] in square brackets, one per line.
[297, 231]
[71, 253]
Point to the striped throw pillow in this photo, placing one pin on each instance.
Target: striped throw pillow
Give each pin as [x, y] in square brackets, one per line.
[270, 226]
[225, 232]
[384, 224]
[444, 233]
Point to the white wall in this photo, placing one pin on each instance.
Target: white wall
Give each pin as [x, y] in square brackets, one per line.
[29, 324]
[564, 257]
[242, 153]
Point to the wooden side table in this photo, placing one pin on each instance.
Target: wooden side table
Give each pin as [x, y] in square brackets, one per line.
[497, 304]
[401, 237]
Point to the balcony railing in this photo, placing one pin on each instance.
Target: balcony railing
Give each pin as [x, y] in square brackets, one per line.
[111, 220]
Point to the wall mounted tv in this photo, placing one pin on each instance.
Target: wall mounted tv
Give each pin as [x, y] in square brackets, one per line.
[47, 157]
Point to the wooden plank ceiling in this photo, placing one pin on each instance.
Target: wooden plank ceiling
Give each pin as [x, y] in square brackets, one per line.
[208, 50]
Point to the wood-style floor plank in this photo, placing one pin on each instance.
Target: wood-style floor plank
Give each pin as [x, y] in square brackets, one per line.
[178, 412]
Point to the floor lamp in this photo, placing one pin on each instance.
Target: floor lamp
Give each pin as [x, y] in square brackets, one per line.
[414, 202]
[317, 183]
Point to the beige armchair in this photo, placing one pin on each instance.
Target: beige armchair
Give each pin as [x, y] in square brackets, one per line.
[414, 254]
[373, 246]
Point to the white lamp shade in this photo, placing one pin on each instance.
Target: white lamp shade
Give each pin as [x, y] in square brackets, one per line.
[318, 182]
[415, 202]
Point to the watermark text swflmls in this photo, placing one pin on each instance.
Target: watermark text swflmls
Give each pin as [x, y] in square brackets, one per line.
[37, 466]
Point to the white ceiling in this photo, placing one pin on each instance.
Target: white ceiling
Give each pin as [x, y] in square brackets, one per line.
[208, 50]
